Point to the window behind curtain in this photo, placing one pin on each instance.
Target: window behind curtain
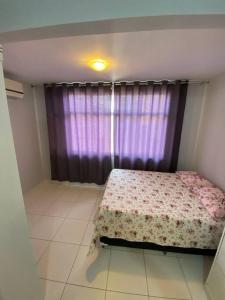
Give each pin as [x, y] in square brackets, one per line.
[79, 124]
[147, 122]
[89, 121]
[147, 125]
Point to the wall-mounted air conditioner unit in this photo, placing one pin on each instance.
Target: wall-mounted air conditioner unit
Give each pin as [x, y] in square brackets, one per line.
[14, 89]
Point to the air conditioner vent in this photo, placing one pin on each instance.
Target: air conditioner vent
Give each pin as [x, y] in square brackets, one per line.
[14, 89]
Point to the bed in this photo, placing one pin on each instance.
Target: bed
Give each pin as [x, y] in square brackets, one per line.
[152, 208]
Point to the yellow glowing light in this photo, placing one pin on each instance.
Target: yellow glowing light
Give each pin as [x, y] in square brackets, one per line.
[98, 64]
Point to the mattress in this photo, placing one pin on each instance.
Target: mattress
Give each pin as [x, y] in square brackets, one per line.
[155, 207]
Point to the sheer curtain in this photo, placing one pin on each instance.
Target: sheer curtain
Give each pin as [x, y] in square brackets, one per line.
[147, 125]
[79, 123]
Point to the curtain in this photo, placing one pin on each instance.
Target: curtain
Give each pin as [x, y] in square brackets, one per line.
[147, 125]
[79, 125]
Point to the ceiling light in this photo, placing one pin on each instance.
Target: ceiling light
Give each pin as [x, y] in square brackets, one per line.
[98, 64]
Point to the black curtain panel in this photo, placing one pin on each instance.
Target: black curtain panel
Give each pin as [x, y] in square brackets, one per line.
[140, 128]
[79, 125]
[148, 122]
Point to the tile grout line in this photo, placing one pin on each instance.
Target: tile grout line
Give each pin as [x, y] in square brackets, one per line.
[63, 290]
[51, 241]
[107, 278]
[146, 274]
[86, 228]
[70, 271]
[67, 243]
[185, 279]
[62, 217]
[57, 230]
[100, 289]
[124, 293]
[63, 221]
[84, 286]
[41, 256]
[90, 219]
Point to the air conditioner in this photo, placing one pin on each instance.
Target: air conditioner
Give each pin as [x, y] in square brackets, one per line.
[14, 89]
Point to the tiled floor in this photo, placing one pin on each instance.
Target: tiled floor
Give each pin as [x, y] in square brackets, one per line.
[61, 227]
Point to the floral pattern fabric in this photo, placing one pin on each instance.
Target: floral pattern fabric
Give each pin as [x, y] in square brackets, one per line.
[214, 201]
[157, 208]
[193, 180]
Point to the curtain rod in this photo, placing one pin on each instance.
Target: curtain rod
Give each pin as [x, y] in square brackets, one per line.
[130, 82]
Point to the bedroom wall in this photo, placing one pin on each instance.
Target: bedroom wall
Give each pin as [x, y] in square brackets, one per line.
[187, 159]
[42, 129]
[18, 275]
[211, 150]
[27, 138]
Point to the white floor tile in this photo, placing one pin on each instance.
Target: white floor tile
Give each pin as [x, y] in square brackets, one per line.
[95, 211]
[73, 292]
[207, 264]
[52, 290]
[117, 248]
[127, 273]
[193, 271]
[186, 255]
[156, 298]
[87, 239]
[41, 197]
[59, 208]
[46, 227]
[71, 231]
[57, 261]
[70, 194]
[122, 296]
[47, 205]
[158, 252]
[101, 193]
[39, 247]
[38, 207]
[89, 194]
[165, 278]
[82, 210]
[90, 270]
[32, 220]
[215, 283]
[153, 252]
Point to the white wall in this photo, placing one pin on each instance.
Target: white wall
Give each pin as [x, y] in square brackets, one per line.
[28, 123]
[215, 283]
[42, 128]
[23, 122]
[18, 275]
[187, 159]
[211, 150]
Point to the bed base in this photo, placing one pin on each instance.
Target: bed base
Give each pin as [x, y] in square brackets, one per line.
[151, 246]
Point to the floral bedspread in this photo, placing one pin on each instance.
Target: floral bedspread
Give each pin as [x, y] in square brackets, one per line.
[155, 207]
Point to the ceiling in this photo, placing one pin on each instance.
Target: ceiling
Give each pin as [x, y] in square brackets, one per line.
[160, 54]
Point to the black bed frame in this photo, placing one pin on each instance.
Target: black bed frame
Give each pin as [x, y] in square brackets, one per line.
[151, 246]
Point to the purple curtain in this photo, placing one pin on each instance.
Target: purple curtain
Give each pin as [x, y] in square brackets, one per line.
[147, 125]
[79, 124]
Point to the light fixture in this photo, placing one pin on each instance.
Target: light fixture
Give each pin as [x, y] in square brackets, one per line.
[98, 64]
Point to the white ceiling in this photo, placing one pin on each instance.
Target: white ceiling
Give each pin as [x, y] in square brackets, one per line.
[162, 54]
